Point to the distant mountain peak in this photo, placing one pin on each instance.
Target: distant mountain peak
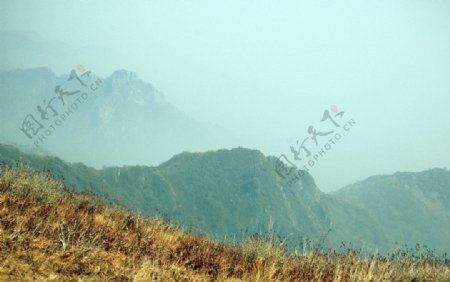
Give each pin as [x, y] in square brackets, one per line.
[123, 114]
[126, 84]
[124, 74]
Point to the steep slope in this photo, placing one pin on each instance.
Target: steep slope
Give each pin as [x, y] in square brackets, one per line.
[411, 207]
[242, 184]
[48, 234]
[123, 121]
[224, 193]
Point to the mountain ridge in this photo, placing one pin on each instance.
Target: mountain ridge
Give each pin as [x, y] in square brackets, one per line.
[417, 200]
[223, 193]
[122, 114]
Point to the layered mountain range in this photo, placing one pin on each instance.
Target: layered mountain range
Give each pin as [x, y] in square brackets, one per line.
[118, 120]
[230, 193]
[119, 142]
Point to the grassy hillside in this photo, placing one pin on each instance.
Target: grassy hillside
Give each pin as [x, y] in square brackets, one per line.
[48, 234]
[224, 193]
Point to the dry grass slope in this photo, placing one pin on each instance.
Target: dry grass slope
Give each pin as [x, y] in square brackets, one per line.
[49, 234]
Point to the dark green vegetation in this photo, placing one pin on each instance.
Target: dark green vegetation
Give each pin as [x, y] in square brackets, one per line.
[49, 234]
[228, 193]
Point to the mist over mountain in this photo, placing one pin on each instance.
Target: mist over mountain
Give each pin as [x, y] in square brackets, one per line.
[25, 49]
[122, 114]
[227, 193]
[125, 122]
[219, 141]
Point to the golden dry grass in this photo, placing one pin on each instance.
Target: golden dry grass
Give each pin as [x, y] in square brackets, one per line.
[47, 234]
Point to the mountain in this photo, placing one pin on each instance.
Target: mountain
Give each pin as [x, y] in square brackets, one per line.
[410, 207]
[228, 193]
[23, 49]
[47, 233]
[223, 193]
[118, 120]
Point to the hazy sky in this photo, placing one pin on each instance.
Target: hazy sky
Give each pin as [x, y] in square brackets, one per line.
[268, 69]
